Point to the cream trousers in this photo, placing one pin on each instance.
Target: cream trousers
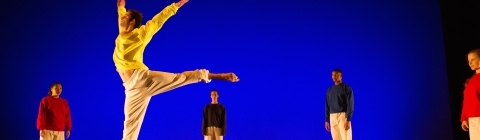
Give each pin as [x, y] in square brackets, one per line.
[213, 133]
[337, 122]
[53, 135]
[142, 85]
[474, 128]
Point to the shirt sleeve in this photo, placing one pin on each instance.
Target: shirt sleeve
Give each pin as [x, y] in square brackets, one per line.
[224, 121]
[41, 115]
[462, 116]
[327, 109]
[350, 103]
[152, 26]
[204, 125]
[68, 120]
[121, 12]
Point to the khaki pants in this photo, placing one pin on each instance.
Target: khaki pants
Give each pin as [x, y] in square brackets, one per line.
[53, 135]
[337, 122]
[474, 128]
[213, 133]
[142, 85]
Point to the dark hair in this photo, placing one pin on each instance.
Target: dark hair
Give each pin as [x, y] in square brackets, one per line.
[337, 70]
[53, 84]
[138, 16]
[476, 51]
[215, 91]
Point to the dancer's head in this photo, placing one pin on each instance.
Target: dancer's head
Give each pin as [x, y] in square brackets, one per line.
[55, 89]
[473, 58]
[337, 76]
[214, 95]
[131, 20]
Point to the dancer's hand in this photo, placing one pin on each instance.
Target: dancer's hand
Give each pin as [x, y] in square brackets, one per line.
[231, 77]
[347, 125]
[42, 133]
[181, 3]
[465, 126]
[327, 126]
[68, 134]
[121, 3]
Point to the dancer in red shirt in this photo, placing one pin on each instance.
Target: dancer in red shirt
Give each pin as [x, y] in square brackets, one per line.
[470, 117]
[54, 115]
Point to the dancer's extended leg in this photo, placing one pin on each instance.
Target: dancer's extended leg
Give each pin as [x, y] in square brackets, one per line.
[143, 84]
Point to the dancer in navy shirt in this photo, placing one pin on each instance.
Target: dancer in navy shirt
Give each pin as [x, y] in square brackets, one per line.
[339, 108]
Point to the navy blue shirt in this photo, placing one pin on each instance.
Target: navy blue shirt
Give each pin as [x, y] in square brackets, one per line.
[339, 99]
[214, 115]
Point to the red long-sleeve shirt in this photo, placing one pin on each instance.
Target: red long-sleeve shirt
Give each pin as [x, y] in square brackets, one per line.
[54, 114]
[471, 99]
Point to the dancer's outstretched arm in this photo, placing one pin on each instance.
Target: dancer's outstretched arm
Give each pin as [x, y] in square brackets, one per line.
[152, 26]
[121, 11]
[224, 76]
[181, 3]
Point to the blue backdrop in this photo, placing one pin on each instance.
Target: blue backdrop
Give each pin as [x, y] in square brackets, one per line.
[391, 53]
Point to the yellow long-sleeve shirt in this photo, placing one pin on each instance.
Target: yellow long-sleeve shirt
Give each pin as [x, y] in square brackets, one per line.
[129, 47]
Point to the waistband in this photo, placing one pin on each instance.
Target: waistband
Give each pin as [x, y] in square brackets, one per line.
[136, 75]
